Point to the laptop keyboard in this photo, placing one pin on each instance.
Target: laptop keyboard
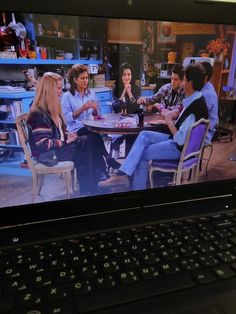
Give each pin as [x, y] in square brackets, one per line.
[96, 271]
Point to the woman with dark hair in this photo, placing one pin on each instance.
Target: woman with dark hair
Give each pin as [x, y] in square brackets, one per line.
[125, 92]
[125, 95]
[80, 103]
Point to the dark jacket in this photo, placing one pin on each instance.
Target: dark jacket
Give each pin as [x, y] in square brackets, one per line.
[197, 107]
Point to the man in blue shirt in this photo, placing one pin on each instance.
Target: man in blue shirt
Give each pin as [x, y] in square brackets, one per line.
[211, 98]
[151, 145]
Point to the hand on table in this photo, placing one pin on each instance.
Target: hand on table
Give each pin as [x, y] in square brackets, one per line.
[141, 100]
[173, 114]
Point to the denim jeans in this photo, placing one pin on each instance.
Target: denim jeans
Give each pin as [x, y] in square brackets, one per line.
[149, 145]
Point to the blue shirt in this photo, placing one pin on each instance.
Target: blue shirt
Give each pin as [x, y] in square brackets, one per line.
[211, 99]
[181, 134]
[71, 103]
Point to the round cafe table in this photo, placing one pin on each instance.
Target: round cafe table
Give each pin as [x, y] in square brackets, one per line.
[115, 123]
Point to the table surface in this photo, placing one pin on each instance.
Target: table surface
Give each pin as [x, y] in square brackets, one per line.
[118, 124]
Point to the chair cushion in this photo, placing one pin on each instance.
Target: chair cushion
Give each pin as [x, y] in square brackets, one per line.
[62, 166]
[173, 164]
[190, 162]
[165, 163]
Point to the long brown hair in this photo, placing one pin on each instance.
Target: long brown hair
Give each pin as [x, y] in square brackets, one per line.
[74, 73]
[46, 97]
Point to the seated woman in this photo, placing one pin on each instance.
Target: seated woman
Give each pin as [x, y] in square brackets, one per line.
[80, 103]
[124, 99]
[46, 123]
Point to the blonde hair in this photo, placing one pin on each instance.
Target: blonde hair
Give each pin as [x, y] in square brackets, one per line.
[46, 97]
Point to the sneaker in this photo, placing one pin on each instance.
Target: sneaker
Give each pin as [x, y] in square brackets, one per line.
[114, 181]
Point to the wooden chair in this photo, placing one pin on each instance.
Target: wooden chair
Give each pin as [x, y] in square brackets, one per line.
[190, 156]
[210, 148]
[37, 169]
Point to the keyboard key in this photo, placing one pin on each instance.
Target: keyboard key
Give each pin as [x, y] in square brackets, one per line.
[150, 258]
[81, 287]
[54, 293]
[149, 272]
[223, 271]
[170, 268]
[29, 299]
[129, 277]
[190, 264]
[14, 286]
[208, 260]
[227, 256]
[110, 266]
[59, 308]
[130, 262]
[88, 271]
[105, 282]
[204, 276]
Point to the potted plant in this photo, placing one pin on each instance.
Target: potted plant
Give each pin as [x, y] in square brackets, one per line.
[218, 48]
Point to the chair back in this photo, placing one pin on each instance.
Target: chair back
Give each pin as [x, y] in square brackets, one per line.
[23, 133]
[194, 143]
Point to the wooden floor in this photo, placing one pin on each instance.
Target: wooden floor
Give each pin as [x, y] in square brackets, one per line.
[17, 190]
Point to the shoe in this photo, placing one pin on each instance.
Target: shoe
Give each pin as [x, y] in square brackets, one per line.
[114, 181]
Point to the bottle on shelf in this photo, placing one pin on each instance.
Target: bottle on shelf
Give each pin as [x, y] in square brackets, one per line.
[143, 80]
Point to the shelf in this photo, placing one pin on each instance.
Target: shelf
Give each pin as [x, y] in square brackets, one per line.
[12, 95]
[48, 61]
[55, 37]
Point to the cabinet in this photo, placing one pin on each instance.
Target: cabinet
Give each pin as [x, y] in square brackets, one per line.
[59, 40]
[117, 31]
[221, 73]
[14, 103]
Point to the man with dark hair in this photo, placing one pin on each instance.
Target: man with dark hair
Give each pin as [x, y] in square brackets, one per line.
[151, 145]
[170, 95]
[211, 98]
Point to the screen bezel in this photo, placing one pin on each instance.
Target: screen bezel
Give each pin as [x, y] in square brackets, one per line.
[169, 10]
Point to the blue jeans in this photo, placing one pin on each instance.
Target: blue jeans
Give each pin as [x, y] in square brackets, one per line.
[149, 145]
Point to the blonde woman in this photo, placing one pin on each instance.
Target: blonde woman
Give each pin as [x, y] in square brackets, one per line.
[46, 123]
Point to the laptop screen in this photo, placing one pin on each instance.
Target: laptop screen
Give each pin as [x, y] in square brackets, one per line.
[98, 91]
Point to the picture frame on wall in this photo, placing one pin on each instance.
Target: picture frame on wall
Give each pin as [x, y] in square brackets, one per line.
[165, 34]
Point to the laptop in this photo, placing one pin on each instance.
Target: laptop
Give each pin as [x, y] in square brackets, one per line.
[170, 249]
